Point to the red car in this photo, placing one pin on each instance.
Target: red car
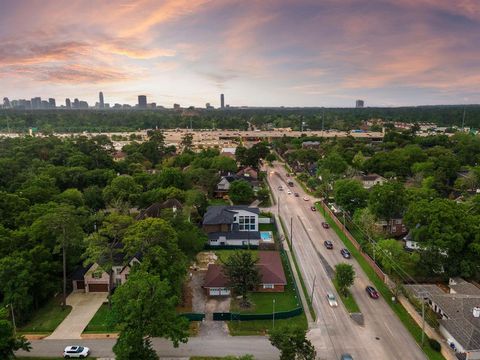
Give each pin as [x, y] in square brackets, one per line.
[325, 225]
[372, 292]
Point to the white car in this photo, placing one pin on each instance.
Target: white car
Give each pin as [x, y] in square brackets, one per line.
[289, 192]
[332, 300]
[76, 351]
[305, 198]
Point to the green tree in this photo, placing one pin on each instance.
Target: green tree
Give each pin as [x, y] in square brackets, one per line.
[293, 343]
[224, 163]
[145, 307]
[344, 277]
[263, 194]
[240, 192]
[334, 163]
[271, 158]
[187, 142]
[387, 201]
[350, 194]
[9, 341]
[157, 241]
[366, 221]
[392, 256]
[73, 197]
[122, 188]
[242, 272]
[15, 284]
[102, 247]
[62, 225]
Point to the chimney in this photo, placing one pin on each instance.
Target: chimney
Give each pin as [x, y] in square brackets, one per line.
[476, 312]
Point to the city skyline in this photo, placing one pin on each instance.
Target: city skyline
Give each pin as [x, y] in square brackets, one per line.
[389, 53]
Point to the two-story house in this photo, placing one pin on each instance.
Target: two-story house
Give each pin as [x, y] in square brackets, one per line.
[232, 225]
[94, 278]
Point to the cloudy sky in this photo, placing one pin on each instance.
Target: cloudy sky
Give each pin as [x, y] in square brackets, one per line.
[259, 53]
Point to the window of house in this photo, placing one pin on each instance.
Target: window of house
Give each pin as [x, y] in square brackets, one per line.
[126, 276]
[394, 229]
[268, 286]
[118, 270]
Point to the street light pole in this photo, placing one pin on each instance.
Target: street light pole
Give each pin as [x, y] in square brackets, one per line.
[273, 315]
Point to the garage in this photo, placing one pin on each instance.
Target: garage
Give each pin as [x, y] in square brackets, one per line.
[98, 287]
[219, 291]
[80, 284]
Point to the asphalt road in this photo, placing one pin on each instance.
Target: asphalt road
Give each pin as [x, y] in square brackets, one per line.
[258, 346]
[382, 336]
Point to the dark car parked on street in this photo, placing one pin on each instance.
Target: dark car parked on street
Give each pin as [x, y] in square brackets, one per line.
[328, 244]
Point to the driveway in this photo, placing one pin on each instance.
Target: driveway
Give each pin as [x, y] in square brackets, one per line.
[84, 306]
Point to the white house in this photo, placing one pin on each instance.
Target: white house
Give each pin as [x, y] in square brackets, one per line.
[459, 310]
[232, 225]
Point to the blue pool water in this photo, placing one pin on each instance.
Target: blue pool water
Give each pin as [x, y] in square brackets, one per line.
[266, 235]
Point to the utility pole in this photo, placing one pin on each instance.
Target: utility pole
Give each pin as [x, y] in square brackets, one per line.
[313, 288]
[423, 321]
[13, 320]
[273, 315]
[278, 205]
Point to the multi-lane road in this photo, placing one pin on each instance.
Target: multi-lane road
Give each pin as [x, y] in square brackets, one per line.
[382, 336]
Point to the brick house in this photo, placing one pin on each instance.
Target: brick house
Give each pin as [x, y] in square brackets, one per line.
[271, 273]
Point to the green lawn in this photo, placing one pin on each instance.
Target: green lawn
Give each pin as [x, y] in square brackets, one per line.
[262, 327]
[218, 202]
[349, 301]
[268, 227]
[46, 319]
[263, 302]
[101, 322]
[224, 254]
[402, 314]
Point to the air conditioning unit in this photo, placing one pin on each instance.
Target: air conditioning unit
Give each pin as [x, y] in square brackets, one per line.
[476, 312]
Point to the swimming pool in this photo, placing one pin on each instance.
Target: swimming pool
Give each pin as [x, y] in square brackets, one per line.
[266, 236]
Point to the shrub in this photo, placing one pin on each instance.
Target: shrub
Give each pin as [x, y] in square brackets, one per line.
[435, 345]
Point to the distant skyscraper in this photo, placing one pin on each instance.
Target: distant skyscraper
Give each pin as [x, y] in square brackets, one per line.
[142, 101]
[76, 103]
[100, 96]
[36, 103]
[359, 104]
[68, 104]
[176, 106]
[52, 103]
[6, 103]
[222, 101]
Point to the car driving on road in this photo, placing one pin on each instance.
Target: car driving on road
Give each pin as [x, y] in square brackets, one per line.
[332, 300]
[297, 195]
[372, 292]
[346, 357]
[328, 244]
[76, 352]
[345, 253]
[289, 192]
[325, 225]
[305, 198]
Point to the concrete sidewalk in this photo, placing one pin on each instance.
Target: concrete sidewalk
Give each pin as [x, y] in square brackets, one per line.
[84, 306]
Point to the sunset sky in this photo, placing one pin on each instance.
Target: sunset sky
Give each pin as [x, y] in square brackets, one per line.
[259, 53]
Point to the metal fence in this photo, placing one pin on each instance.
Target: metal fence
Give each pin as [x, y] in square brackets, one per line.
[194, 316]
[225, 316]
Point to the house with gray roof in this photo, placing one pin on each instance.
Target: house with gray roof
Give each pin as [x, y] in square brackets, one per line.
[232, 225]
[459, 312]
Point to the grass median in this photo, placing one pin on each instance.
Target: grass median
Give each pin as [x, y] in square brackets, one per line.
[348, 300]
[297, 268]
[399, 310]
